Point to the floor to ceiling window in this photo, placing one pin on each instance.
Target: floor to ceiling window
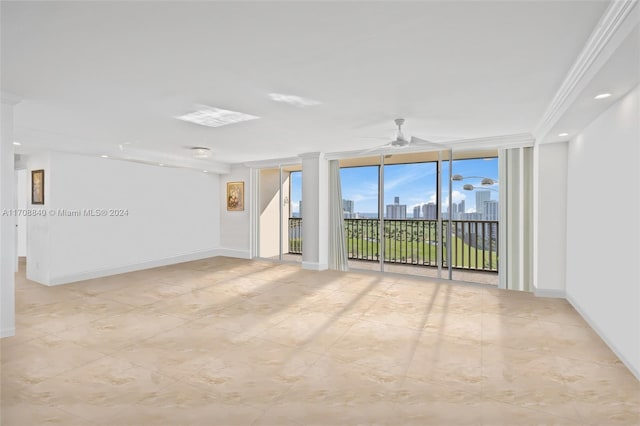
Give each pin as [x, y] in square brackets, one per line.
[413, 224]
[360, 208]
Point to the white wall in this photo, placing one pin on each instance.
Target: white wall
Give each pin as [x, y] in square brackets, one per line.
[38, 227]
[7, 222]
[235, 226]
[172, 216]
[22, 192]
[603, 227]
[550, 219]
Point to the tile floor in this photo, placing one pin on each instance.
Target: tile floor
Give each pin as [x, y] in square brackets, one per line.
[233, 342]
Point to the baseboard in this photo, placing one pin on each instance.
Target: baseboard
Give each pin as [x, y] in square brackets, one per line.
[548, 292]
[603, 336]
[314, 266]
[7, 332]
[98, 273]
[241, 254]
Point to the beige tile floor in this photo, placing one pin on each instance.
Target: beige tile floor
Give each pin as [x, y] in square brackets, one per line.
[233, 342]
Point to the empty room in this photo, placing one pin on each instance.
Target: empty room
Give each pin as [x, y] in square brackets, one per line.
[319, 213]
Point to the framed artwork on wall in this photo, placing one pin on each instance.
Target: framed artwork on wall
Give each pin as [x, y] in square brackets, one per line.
[37, 186]
[235, 196]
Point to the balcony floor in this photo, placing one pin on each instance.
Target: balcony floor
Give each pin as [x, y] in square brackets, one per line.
[490, 278]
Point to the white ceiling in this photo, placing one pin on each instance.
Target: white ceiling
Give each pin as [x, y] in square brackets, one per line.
[95, 75]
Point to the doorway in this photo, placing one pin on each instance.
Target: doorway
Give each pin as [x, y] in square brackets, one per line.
[280, 219]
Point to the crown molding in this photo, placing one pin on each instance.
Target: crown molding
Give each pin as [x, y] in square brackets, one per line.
[309, 155]
[519, 140]
[595, 52]
[273, 162]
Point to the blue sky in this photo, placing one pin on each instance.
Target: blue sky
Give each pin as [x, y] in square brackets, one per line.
[414, 183]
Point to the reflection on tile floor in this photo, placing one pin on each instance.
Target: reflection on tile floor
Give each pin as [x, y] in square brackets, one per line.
[225, 341]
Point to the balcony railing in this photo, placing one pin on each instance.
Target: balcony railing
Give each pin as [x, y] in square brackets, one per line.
[415, 242]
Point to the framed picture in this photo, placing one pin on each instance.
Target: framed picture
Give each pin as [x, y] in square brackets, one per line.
[37, 186]
[235, 196]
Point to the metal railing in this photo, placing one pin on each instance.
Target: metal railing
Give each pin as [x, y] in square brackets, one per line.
[295, 235]
[474, 243]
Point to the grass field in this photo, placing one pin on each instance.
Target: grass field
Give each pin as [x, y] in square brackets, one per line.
[415, 242]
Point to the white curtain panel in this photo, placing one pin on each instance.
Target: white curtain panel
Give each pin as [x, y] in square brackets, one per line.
[337, 244]
[516, 218]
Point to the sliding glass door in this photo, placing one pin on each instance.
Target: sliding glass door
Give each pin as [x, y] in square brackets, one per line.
[416, 214]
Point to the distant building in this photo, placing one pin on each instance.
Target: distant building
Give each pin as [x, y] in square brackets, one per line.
[490, 210]
[429, 211]
[454, 210]
[347, 209]
[472, 216]
[416, 212]
[396, 210]
[481, 197]
[461, 210]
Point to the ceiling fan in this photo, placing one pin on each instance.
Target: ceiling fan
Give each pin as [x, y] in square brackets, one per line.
[402, 142]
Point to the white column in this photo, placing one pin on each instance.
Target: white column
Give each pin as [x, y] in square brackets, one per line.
[315, 211]
[550, 163]
[7, 222]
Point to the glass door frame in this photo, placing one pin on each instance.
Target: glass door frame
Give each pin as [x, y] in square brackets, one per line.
[281, 207]
[439, 233]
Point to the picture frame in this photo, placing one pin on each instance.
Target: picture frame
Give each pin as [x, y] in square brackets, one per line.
[235, 196]
[37, 186]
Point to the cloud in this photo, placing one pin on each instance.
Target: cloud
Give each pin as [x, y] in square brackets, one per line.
[410, 173]
[457, 197]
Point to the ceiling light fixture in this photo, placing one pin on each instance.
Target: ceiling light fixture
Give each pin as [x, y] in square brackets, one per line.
[293, 100]
[602, 96]
[215, 117]
[205, 171]
[104, 156]
[17, 143]
[200, 151]
[563, 134]
[160, 164]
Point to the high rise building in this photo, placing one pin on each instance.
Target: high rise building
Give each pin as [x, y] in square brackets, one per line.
[461, 209]
[490, 210]
[347, 209]
[396, 210]
[482, 196]
[416, 212]
[429, 211]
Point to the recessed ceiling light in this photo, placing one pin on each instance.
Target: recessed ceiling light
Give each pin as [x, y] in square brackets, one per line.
[17, 143]
[160, 164]
[293, 100]
[104, 156]
[205, 171]
[602, 96]
[215, 117]
[563, 134]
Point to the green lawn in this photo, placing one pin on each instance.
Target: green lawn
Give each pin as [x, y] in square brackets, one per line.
[412, 242]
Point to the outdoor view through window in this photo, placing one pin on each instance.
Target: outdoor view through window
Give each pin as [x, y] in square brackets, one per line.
[410, 210]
